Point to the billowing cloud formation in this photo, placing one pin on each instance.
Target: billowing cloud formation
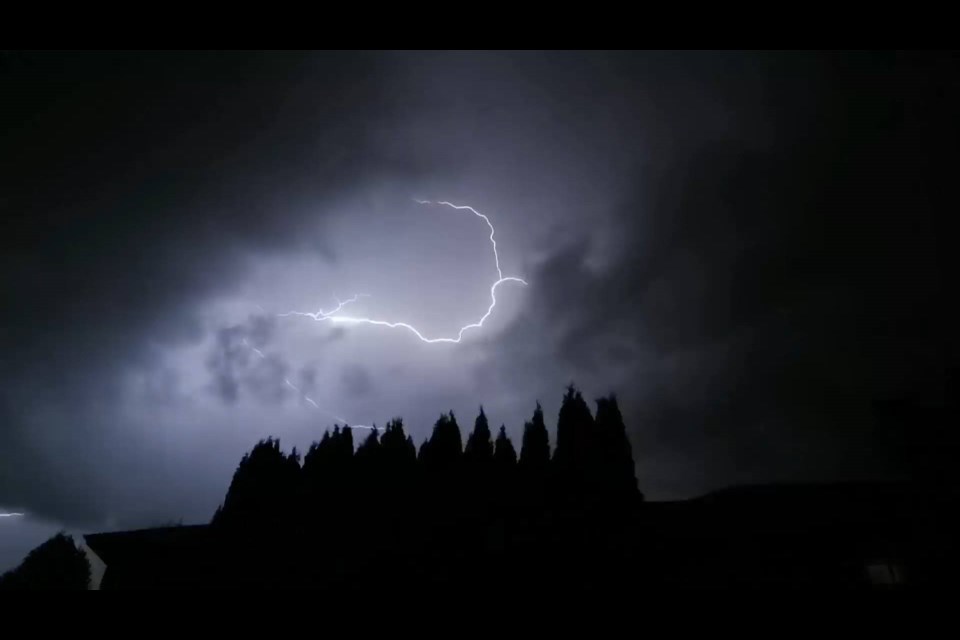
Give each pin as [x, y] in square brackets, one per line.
[749, 249]
[356, 381]
[238, 359]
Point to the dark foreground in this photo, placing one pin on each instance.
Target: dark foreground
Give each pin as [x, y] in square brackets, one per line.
[833, 536]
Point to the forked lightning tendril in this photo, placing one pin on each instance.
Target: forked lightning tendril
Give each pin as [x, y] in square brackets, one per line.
[330, 316]
[306, 398]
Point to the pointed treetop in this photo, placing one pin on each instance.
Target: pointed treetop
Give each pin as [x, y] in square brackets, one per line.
[504, 456]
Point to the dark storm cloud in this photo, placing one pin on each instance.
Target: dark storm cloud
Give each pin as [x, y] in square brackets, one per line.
[307, 377]
[774, 299]
[750, 249]
[333, 334]
[356, 381]
[266, 381]
[228, 361]
[245, 359]
[134, 185]
[238, 362]
[261, 329]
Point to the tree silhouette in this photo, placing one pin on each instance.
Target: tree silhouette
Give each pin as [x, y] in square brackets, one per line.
[317, 458]
[318, 476]
[368, 453]
[615, 458]
[56, 564]
[478, 462]
[535, 449]
[450, 506]
[399, 453]
[265, 489]
[345, 446]
[471, 519]
[442, 453]
[573, 457]
[365, 496]
[479, 450]
[397, 472]
[368, 463]
[505, 456]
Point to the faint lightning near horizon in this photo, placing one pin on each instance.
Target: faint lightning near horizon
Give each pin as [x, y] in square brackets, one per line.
[15, 514]
[330, 316]
[303, 395]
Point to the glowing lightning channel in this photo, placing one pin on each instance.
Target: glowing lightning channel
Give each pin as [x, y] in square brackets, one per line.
[322, 315]
[11, 515]
[307, 398]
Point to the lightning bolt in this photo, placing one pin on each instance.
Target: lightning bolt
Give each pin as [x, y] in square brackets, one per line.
[320, 314]
[11, 515]
[306, 398]
[330, 316]
[254, 349]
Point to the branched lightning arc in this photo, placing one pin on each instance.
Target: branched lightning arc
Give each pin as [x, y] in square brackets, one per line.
[321, 315]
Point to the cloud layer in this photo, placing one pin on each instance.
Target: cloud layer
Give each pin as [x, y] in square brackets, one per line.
[749, 250]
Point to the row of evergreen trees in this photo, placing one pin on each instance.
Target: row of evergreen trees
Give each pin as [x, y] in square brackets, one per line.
[592, 461]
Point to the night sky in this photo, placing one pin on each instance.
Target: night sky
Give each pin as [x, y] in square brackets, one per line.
[750, 249]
